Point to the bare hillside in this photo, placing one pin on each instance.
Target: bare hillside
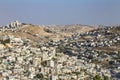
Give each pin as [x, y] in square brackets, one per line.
[36, 33]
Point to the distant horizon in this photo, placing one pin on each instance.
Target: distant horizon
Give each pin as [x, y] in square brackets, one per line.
[61, 12]
[59, 24]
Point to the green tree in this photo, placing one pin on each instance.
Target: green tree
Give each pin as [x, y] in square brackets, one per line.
[44, 63]
[106, 78]
[5, 41]
[97, 77]
[39, 76]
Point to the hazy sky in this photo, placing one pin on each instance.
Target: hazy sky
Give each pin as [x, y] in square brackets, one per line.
[106, 12]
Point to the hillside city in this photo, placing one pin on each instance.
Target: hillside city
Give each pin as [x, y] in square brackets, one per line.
[70, 52]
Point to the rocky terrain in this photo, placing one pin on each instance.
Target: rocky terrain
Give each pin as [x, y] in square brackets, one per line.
[54, 52]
